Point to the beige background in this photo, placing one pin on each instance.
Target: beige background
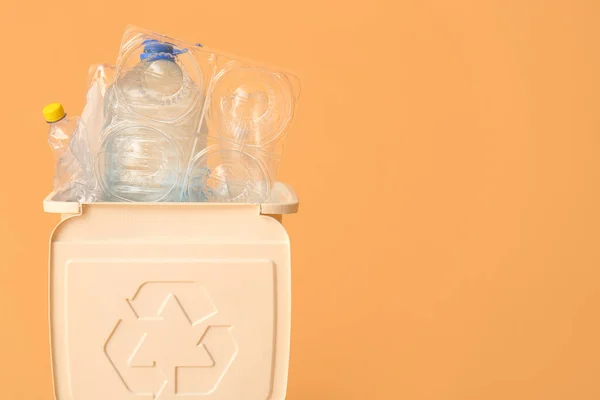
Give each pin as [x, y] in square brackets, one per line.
[446, 155]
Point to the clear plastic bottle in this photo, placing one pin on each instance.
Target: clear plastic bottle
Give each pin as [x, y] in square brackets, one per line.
[72, 181]
[151, 118]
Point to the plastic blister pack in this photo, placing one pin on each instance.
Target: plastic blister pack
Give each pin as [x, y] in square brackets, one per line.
[248, 112]
[186, 123]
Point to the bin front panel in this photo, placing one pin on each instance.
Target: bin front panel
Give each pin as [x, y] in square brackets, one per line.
[171, 320]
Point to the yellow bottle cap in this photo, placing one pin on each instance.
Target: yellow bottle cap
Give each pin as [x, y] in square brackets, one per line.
[54, 112]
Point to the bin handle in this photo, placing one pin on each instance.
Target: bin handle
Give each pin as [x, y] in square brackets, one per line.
[283, 200]
[60, 207]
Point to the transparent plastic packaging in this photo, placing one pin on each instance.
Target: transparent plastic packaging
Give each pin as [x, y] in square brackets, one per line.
[186, 123]
[151, 117]
[102, 75]
[99, 79]
[248, 112]
[72, 180]
[220, 174]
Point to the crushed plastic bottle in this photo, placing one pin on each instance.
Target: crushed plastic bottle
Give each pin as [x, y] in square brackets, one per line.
[67, 138]
[150, 120]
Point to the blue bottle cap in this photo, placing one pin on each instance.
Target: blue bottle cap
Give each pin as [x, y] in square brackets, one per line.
[155, 50]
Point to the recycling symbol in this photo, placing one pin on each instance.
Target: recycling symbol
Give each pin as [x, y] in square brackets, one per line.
[167, 346]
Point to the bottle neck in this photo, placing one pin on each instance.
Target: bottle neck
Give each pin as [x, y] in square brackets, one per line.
[63, 119]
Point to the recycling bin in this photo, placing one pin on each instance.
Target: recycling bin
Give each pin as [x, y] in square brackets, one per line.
[170, 300]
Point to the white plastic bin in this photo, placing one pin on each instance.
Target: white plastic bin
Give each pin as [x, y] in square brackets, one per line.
[187, 301]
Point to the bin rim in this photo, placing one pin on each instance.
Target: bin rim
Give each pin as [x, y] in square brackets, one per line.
[283, 200]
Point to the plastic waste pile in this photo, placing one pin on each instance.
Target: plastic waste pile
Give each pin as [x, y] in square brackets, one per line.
[173, 121]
